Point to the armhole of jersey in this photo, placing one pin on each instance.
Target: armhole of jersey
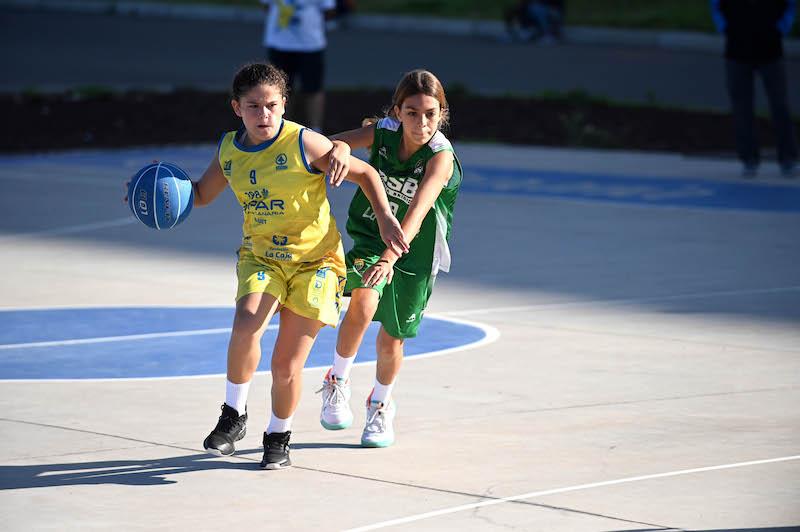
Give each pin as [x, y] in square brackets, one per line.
[458, 173]
[219, 149]
[311, 169]
[219, 144]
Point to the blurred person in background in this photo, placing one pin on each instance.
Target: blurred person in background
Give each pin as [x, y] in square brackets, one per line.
[294, 36]
[535, 20]
[754, 31]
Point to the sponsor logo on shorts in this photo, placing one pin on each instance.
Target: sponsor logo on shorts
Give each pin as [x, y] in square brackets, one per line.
[382, 152]
[358, 264]
[412, 318]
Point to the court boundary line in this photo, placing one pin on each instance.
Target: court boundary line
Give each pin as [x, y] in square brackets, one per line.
[490, 335]
[567, 489]
[122, 338]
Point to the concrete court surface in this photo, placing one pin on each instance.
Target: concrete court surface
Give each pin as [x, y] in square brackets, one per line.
[644, 375]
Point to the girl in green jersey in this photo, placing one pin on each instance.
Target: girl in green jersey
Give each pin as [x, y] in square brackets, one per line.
[421, 175]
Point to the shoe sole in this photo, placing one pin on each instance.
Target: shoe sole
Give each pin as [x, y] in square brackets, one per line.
[216, 452]
[376, 444]
[335, 426]
[275, 467]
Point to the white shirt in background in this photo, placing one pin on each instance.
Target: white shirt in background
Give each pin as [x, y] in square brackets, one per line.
[296, 25]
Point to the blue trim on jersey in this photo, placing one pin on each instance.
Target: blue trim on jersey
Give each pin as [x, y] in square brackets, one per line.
[310, 168]
[219, 144]
[257, 147]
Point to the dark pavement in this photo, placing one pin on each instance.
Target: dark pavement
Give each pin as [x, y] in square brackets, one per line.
[46, 50]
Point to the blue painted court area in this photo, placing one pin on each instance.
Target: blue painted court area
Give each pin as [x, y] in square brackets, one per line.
[108, 343]
[660, 191]
[666, 191]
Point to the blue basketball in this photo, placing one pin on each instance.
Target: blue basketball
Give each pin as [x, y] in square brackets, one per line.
[160, 195]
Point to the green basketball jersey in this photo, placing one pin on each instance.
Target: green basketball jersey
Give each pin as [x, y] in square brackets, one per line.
[429, 251]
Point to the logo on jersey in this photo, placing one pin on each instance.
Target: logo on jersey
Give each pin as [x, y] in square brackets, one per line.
[382, 152]
[403, 189]
[227, 167]
[257, 202]
[280, 162]
[280, 240]
[419, 168]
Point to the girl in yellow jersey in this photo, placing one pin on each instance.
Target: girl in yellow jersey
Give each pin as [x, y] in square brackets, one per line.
[291, 257]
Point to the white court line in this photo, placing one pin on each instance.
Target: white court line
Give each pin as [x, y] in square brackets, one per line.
[533, 494]
[104, 339]
[490, 335]
[72, 229]
[630, 301]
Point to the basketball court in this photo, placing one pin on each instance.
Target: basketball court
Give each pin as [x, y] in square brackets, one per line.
[617, 348]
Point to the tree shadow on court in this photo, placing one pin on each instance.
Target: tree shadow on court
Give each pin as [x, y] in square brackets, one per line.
[154, 472]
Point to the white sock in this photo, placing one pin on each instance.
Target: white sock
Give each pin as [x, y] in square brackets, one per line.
[236, 395]
[381, 392]
[341, 366]
[277, 424]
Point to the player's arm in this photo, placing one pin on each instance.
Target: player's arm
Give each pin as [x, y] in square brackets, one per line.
[343, 144]
[437, 173]
[210, 184]
[317, 149]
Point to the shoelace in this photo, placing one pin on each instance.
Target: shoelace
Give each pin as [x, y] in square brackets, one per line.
[333, 393]
[226, 423]
[277, 445]
[375, 418]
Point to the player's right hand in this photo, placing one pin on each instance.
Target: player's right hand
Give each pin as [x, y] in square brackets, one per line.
[338, 163]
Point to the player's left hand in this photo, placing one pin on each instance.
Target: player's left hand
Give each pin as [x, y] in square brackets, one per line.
[377, 272]
[338, 163]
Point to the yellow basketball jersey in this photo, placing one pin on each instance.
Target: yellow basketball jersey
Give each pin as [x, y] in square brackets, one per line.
[284, 200]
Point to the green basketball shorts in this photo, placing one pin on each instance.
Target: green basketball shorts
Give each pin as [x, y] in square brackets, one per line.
[402, 303]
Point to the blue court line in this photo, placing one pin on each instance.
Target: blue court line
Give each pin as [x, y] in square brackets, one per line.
[101, 353]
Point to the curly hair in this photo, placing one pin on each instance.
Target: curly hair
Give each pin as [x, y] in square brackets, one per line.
[255, 74]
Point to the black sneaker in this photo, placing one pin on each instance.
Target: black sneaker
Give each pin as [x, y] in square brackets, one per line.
[230, 428]
[276, 450]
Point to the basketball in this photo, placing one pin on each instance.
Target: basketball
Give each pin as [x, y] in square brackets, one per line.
[160, 195]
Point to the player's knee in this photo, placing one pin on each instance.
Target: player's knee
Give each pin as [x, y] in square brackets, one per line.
[283, 371]
[389, 346]
[246, 323]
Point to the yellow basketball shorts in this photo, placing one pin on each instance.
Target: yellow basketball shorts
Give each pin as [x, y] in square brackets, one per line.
[310, 289]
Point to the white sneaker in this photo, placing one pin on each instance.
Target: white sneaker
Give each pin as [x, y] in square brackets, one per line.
[379, 431]
[336, 413]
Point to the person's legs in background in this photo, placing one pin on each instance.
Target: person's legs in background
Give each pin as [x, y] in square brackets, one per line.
[773, 76]
[312, 78]
[740, 82]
